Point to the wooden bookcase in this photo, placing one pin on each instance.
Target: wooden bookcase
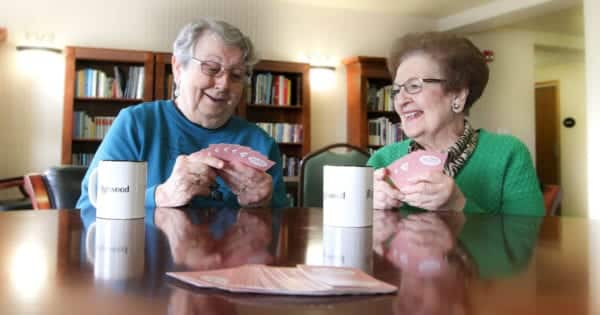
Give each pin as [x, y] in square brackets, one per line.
[296, 112]
[360, 73]
[106, 61]
[163, 74]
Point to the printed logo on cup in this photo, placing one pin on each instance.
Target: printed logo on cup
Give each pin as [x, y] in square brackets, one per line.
[347, 196]
[117, 189]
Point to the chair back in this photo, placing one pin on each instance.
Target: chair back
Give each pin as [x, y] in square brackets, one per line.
[310, 192]
[552, 198]
[14, 203]
[58, 188]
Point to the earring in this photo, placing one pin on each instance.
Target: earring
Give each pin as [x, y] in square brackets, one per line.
[456, 107]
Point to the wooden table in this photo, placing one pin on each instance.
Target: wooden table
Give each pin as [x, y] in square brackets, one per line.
[510, 267]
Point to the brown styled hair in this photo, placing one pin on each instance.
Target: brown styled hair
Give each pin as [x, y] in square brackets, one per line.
[462, 63]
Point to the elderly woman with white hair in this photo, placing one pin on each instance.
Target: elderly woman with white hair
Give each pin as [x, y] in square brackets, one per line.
[211, 61]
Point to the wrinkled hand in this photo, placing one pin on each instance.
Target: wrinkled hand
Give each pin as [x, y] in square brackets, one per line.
[246, 242]
[433, 191]
[192, 175]
[254, 188]
[385, 225]
[191, 245]
[385, 195]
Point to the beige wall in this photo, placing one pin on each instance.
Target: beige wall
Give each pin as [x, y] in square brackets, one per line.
[592, 60]
[568, 67]
[31, 111]
[507, 104]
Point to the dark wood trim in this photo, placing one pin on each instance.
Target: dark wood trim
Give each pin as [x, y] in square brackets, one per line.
[37, 191]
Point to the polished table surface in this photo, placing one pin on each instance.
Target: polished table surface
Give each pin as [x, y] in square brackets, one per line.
[497, 265]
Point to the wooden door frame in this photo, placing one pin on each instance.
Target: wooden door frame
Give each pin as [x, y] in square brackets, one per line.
[556, 84]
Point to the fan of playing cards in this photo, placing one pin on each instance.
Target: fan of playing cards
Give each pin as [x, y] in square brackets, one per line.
[415, 163]
[243, 154]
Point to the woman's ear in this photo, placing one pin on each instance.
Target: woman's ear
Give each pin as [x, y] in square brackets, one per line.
[177, 69]
[458, 104]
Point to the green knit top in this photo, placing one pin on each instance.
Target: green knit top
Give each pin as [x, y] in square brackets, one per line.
[498, 178]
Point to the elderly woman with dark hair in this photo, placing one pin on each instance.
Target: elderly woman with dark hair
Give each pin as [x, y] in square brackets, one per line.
[211, 61]
[437, 78]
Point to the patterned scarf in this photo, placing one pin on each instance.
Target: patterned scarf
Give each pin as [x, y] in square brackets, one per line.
[458, 153]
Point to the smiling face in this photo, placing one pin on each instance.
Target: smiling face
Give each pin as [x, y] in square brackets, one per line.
[209, 100]
[427, 116]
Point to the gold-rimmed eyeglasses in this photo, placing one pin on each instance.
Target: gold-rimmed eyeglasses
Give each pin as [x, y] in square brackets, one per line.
[413, 85]
[215, 69]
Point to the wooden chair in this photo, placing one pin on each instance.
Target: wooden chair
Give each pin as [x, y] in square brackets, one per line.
[58, 188]
[21, 202]
[310, 190]
[552, 198]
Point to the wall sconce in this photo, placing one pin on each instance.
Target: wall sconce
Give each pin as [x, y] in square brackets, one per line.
[322, 77]
[40, 48]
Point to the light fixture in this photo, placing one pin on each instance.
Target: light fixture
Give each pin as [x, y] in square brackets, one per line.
[322, 77]
[40, 48]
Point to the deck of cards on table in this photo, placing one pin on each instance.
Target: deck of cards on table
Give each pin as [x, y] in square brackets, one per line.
[414, 164]
[242, 154]
[300, 280]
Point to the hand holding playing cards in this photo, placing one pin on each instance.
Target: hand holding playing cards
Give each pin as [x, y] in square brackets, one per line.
[192, 175]
[385, 195]
[253, 187]
[433, 190]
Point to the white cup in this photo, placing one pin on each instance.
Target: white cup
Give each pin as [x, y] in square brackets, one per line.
[347, 196]
[348, 247]
[116, 248]
[117, 189]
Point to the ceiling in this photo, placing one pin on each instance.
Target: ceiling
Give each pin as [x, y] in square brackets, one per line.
[423, 8]
[567, 22]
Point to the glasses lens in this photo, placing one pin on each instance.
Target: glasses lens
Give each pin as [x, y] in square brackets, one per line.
[210, 68]
[413, 86]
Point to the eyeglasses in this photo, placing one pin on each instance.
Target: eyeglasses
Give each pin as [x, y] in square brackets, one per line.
[412, 85]
[216, 70]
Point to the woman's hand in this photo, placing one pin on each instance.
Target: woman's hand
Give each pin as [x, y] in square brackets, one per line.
[433, 190]
[385, 196]
[253, 187]
[192, 175]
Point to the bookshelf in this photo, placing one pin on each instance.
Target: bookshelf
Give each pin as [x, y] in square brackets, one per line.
[92, 98]
[364, 74]
[163, 74]
[278, 100]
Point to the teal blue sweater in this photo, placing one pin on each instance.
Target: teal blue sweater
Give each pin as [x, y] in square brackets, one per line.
[157, 132]
[498, 178]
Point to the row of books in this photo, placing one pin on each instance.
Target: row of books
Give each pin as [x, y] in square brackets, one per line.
[283, 132]
[380, 99]
[383, 131]
[96, 83]
[290, 165]
[82, 158]
[86, 127]
[270, 89]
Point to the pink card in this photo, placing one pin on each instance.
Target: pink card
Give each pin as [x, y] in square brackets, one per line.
[415, 163]
[257, 160]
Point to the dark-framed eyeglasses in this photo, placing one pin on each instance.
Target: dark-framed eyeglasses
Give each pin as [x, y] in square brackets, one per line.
[413, 85]
[216, 70]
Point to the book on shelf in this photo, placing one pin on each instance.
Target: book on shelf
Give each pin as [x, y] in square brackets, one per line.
[383, 131]
[379, 98]
[270, 89]
[282, 132]
[87, 127]
[290, 165]
[82, 158]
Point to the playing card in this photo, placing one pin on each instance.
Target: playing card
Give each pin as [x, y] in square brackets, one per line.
[235, 152]
[413, 164]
